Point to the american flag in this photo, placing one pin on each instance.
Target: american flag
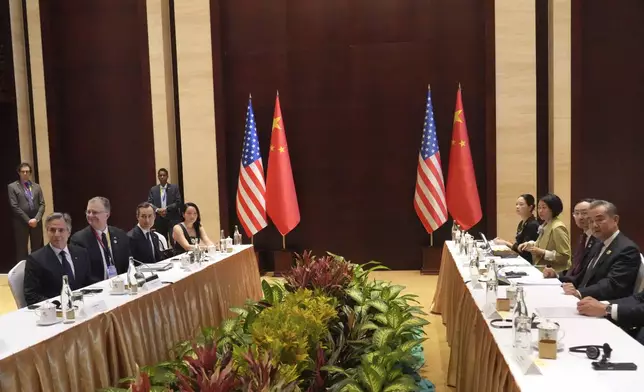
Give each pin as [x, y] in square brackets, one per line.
[251, 188]
[429, 197]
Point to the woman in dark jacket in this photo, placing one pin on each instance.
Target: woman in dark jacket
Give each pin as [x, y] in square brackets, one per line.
[528, 228]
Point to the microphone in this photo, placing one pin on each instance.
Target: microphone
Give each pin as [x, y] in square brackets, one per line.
[139, 271]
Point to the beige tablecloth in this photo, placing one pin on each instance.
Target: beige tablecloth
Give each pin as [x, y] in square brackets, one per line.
[475, 364]
[98, 352]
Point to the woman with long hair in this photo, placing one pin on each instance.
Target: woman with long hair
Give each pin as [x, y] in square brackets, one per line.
[189, 232]
[528, 227]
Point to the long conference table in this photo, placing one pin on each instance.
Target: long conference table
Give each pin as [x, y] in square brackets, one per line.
[123, 331]
[482, 357]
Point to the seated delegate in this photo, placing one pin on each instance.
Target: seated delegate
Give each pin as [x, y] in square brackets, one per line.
[552, 247]
[189, 232]
[528, 227]
[45, 267]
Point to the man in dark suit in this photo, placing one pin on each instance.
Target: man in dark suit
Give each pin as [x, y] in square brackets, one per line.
[166, 200]
[584, 249]
[108, 246]
[611, 271]
[28, 206]
[45, 267]
[144, 243]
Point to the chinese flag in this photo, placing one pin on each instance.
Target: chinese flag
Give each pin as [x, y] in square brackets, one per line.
[281, 200]
[462, 194]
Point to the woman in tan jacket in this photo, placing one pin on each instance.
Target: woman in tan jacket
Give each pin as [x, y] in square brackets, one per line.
[552, 247]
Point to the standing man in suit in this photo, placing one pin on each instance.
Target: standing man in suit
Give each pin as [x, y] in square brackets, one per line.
[612, 269]
[108, 246]
[145, 244]
[166, 200]
[45, 267]
[28, 206]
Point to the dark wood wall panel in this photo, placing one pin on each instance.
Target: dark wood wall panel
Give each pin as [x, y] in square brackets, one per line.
[10, 145]
[353, 78]
[97, 78]
[607, 99]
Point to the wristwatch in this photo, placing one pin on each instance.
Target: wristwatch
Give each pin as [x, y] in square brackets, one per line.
[609, 308]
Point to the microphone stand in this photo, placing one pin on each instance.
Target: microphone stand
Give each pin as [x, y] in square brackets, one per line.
[140, 276]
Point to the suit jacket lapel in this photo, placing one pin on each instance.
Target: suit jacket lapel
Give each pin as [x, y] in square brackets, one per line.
[53, 263]
[608, 253]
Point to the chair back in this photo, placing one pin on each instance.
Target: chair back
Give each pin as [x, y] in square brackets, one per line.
[639, 282]
[162, 240]
[16, 279]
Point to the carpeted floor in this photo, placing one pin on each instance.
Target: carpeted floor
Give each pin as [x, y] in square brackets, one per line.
[435, 348]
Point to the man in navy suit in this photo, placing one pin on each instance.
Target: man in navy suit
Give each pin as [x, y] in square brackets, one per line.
[145, 245]
[166, 201]
[45, 267]
[108, 246]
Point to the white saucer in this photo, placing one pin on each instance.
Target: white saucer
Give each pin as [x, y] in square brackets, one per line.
[560, 346]
[45, 324]
[118, 292]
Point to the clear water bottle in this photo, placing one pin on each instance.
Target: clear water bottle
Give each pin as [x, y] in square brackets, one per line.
[237, 237]
[474, 269]
[66, 302]
[131, 277]
[454, 231]
[521, 323]
[492, 284]
[222, 241]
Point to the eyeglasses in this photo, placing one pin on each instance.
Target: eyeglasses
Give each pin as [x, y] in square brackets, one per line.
[91, 212]
[580, 213]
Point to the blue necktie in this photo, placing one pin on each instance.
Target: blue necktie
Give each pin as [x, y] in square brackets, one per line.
[68, 269]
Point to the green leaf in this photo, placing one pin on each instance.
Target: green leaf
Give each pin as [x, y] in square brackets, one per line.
[372, 378]
[394, 374]
[228, 326]
[412, 323]
[356, 295]
[394, 291]
[378, 304]
[407, 346]
[353, 387]
[375, 294]
[381, 318]
[382, 336]
[394, 318]
[240, 311]
[400, 387]
[369, 326]
[334, 369]
[267, 290]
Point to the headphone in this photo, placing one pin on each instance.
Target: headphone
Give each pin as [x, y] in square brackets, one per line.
[592, 352]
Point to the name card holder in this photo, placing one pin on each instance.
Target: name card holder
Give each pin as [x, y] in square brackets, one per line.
[95, 308]
[490, 312]
[527, 363]
[503, 304]
[152, 285]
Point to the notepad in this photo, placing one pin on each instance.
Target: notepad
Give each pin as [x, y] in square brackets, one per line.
[558, 312]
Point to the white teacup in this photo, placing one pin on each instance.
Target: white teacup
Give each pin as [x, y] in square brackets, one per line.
[46, 313]
[117, 285]
[549, 331]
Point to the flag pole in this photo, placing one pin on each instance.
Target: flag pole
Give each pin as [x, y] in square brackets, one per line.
[283, 242]
[252, 240]
[431, 240]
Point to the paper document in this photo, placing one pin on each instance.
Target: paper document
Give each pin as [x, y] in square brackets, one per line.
[558, 312]
[499, 248]
[535, 281]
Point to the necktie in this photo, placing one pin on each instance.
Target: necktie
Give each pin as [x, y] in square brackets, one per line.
[30, 196]
[149, 237]
[591, 266]
[68, 269]
[578, 257]
[106, 250]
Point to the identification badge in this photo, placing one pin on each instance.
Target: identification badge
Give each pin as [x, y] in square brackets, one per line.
[111, 271]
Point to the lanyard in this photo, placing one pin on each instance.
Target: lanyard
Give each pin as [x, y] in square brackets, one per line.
[100, 242]
[28, 190]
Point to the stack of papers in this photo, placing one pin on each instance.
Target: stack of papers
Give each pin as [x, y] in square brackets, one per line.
[535, 281]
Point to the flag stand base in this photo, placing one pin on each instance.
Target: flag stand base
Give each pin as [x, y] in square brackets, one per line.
[431, 260]
[283, 260]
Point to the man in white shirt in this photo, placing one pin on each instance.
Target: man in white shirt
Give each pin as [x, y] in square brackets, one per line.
[108, 246]
[44, 268]
[145, 244]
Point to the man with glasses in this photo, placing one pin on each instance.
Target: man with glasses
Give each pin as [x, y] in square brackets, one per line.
[28, 206]
[108, 246]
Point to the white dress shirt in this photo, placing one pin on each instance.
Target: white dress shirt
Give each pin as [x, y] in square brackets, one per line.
[67, 254]
[163, 191]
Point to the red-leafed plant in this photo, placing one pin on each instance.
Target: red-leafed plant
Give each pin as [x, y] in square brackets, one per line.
[329, 274]
[142, 382]
[317, 384]
[208, 371]
[265, 375]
